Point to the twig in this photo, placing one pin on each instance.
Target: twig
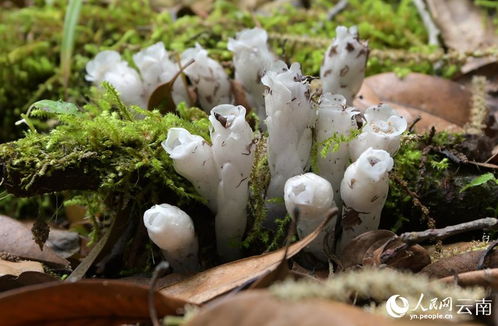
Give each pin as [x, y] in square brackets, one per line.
[158, 271]
[340, 6]
[431, 27]
[488, 223]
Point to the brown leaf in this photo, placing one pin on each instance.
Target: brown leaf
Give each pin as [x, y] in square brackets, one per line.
[17, 240]
[355, 251]
[219, 280]
[9, 282]
[380, 247]
[464, 26]
[485, 278]
[162, 97]
[18, 267]
[88, 302]
[260, 307]
[439, 102]
[460, 263]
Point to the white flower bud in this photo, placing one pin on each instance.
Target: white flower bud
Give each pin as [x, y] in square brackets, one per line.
[313, 196]
[343, 67]
[382, 131]
[232, 139]
[193, 159]
[156, 68]
[172, 230]
[208, 77]
[364, 191]
[252, 59]
[335, 119]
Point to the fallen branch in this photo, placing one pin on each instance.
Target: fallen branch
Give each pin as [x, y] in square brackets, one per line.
[488, 223]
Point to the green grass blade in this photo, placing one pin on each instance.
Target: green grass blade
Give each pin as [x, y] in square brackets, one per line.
[70, 23]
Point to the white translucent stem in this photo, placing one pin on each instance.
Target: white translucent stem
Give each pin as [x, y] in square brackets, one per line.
[382, 131]
[343, 67]
[172, 230]
[156, 68]
[364, 191]
[313, 196]
[232, 139]
[208, 77]
[336, 120]
[252, 59]
[193, 159]
[289, 122]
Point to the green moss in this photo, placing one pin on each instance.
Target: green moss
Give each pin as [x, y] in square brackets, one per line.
[428, 164]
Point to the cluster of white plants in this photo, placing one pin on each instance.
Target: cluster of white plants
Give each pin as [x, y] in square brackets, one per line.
[352, 176]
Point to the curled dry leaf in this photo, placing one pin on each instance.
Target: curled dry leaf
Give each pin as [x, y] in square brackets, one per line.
[88, 302]
[219, 280]
[460, 263]
[380, 247]
[17, 240]
[439, 102]
[260, 307]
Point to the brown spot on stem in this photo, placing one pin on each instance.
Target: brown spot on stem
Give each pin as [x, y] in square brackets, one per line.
[221, 119]
[344, 71]
[327, 72]
[353, 180]
[350, 47]
[374, 198]
[333, 51]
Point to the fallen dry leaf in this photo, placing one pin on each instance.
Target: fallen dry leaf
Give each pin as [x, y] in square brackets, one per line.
[460, 263]
[464, 28]
[18, 267]
[17, 240]
[380, 247]
[260, 307]
[9, 282]
[88, 302]
[219, 280]
[485, 278]
[439, 102]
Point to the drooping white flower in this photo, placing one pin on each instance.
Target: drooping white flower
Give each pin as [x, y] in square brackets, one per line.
[252, 59]
[337, 120]
[232, 148]
[156, 68]
[103, 62]
[343, 67]
[193, 159]
[208, 77]
[172, 230]
[289, 122]
[364, 191]
[108, 66]
[313, 196]
[382, 131]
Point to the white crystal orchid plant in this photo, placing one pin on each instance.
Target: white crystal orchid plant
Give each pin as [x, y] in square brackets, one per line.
[353, 176]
